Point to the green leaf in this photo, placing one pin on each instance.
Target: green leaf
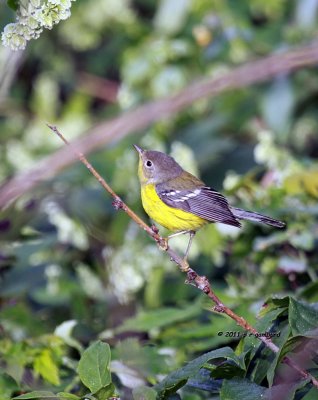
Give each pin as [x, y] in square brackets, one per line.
[227, 371]
[274, 303]
[264, 325]
[7, 386]
[291, 344]
[203, 381]
[38, 394]
[67, 396]
[145, 360]
[144, 393]
[14, 4]
[238, 389]
[159, 318]
[94, 366]
[45, 366]
[280, 342]
[105, 392]
[303, 319]
[263, 361]
[288, 391]
[311, 395]
[175, 380]
[201, 338]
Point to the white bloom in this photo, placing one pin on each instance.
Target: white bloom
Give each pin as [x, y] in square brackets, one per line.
[31, 18]
[13, 40]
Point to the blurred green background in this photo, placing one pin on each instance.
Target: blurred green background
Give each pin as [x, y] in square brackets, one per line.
[72, 269]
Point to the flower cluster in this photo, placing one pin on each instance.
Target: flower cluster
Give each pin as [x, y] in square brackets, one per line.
[32, 17]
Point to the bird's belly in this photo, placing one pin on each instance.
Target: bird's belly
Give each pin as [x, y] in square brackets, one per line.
[169, 217]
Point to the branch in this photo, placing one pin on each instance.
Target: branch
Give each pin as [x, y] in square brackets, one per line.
[200, 282]
[138, 119]
[100, 88]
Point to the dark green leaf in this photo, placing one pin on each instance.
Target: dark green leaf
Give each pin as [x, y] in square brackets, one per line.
[311, 395]
[274, 303]
[303, 318]
[204, 381]
[226, 371]
[280, 341]
[175, 380]
[265, 325]
[93, 367]
[263, 361]
[238, 389]
[7, 386]
[14, 4]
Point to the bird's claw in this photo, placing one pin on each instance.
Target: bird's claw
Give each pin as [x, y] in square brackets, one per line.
[163, 244]
[184, 265]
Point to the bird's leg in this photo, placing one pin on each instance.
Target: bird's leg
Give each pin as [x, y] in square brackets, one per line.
[191, 236]
[191, 233]
[177, 234]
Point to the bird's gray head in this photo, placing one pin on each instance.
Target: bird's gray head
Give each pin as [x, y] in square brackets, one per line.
[156, 167]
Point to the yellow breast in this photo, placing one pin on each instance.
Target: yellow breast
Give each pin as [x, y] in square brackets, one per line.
[169, 217]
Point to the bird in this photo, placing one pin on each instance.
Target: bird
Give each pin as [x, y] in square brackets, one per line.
[181, 202]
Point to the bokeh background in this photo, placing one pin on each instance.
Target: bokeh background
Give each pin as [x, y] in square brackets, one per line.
[73, 269]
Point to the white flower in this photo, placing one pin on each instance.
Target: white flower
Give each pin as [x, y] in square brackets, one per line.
[11, 36]
[31, 18]
[35, 3]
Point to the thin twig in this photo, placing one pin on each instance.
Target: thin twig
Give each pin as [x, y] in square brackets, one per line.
[144, 115]
[200, 282]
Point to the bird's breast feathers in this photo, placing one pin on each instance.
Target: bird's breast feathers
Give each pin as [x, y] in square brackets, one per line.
[173, 218]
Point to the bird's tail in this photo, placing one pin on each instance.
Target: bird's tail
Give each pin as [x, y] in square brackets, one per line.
[256, 217]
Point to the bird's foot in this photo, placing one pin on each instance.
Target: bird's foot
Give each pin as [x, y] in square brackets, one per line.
[184, 265]
[163, 244]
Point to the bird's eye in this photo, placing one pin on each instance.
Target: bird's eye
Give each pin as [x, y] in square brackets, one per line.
[148, 163]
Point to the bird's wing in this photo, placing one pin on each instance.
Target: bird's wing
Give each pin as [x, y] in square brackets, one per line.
[201, 201]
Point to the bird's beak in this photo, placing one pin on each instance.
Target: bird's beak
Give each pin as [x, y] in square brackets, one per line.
[139, 149]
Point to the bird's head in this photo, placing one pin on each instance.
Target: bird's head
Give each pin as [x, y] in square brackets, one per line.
[156, 167]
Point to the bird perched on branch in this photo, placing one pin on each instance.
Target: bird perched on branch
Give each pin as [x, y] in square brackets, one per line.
[182, 203]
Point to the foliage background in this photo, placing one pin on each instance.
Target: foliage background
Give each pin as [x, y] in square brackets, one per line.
[73, 270]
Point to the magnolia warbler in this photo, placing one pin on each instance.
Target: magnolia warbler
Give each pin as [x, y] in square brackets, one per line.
[182, 203]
